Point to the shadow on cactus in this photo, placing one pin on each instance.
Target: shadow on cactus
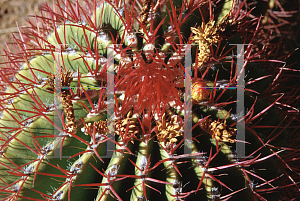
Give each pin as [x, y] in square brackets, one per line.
[99, 102]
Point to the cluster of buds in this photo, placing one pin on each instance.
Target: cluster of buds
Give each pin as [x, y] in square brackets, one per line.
[211, 33]
[66, 96]
[166, 132]
[128, 126]
[218, 130]
[100, 128]
[200, 92]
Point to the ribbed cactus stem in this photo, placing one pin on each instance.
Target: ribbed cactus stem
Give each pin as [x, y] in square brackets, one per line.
[199, 163]
[78, 167]
[115, 167]
[172, 174]
[106, 191]
[138, 191]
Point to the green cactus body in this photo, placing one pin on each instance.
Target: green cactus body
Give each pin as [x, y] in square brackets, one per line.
[57, 130]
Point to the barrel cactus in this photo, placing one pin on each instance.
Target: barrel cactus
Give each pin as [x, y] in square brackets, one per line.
[144, 100]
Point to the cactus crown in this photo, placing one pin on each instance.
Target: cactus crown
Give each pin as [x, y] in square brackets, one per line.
[134, 100]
